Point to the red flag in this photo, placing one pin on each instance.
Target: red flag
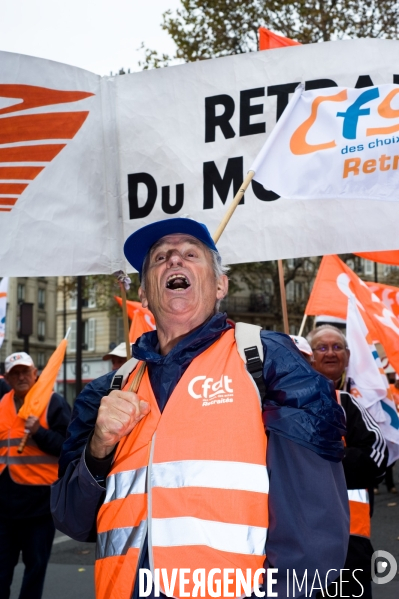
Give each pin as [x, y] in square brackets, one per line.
[334, 283]
[269, 40]
[389, 257]
[388, 294]
[142, 320]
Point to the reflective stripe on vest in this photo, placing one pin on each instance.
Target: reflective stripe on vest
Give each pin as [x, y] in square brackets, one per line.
[359, 508]
[199, 471]
[33, 466]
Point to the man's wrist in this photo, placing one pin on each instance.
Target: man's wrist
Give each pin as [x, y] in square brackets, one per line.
[98, 450]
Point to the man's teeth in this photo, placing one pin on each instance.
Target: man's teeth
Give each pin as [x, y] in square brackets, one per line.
[177, 281]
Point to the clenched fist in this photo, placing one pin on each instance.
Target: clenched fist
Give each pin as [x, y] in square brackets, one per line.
[118, 414]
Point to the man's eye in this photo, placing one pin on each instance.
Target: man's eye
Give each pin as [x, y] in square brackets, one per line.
[160, 257]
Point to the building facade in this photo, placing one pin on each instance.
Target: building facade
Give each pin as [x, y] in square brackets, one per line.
[41, 292]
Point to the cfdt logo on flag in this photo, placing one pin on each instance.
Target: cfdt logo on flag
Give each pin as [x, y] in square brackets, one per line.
[29, 141]
[334, 143]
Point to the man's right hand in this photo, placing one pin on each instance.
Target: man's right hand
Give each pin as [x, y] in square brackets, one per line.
[118, 414]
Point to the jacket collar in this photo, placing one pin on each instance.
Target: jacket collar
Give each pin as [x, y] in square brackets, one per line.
[146, 347]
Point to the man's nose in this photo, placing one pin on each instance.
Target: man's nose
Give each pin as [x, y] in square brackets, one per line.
[175, 258]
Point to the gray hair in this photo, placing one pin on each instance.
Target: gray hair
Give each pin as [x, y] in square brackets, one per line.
[219, 268]
[326, 327]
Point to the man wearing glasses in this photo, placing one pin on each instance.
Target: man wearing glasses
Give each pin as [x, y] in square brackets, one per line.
[365, 454]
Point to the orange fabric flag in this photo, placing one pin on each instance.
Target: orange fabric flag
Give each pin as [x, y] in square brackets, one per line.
[334, 283]
[269, 40]
[389, 257]
[387, 294]
[37, 398]
[142, 320]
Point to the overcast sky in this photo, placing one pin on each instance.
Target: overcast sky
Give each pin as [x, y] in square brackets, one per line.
[97, 35]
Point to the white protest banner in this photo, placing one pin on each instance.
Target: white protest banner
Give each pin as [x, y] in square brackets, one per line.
[335, 143]
[173, 142]
[3, 308]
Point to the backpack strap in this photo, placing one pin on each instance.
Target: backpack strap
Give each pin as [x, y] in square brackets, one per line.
[250, 348]
[122, 374]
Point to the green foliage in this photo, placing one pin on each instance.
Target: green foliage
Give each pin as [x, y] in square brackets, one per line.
[203, 29]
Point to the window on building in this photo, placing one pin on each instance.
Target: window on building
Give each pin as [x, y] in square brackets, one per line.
[299, 291]
[290, 291]
[368, 267]
[41, 298]
[351, 264]
[73, 301]
[90, 334]
[92, 299]
[72, 336]
[21, 292]
[41, 360]
[291, 263]
[41, 329]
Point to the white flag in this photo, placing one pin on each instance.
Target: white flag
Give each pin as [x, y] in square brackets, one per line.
[3, 308]
[334, 143]
[370, 387]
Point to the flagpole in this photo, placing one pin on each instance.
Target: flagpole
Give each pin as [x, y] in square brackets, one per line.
[125, 320]
[233, 206]
[302, 324]
[283, 296]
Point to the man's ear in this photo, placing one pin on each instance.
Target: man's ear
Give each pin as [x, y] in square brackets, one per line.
[222, 287]
[143, 297]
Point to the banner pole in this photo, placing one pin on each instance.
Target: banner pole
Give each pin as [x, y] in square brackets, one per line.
[233, 206]
[302, 325]
[283, 296]
[125, 320]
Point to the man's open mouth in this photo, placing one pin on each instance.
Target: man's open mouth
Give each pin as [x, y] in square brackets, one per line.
[178, 281]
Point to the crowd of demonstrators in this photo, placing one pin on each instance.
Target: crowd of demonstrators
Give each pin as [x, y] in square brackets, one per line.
[26, 525]
[169, 475]
[366, 454]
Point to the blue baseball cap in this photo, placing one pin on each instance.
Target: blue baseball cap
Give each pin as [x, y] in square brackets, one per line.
[139, 243]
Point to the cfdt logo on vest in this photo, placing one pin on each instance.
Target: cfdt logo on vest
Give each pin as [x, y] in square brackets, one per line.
[210, 391]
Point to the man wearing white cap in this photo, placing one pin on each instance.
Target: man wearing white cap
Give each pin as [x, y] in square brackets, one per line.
[117, 356]
[177, 476]
[26, 524]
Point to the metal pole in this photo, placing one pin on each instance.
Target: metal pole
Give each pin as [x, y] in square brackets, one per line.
[283, 296]
[79, 335]
[65, 328]
[376, 272]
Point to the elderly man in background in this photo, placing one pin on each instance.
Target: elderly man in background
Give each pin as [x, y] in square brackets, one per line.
[365, 452]
[117, 356]
[177, 474]
[26, 524]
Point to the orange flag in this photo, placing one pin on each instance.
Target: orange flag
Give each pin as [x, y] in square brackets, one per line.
[269, 40]
[142, 320]
[334, 283]
[389, 257]
[37, 398]
[388, 295]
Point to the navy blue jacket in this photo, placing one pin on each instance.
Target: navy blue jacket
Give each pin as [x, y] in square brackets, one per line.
[308, 506]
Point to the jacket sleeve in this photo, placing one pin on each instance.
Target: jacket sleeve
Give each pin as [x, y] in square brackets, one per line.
[366, 453]
[308, 516]
[50, 440]
[76, 497]
[300, 403]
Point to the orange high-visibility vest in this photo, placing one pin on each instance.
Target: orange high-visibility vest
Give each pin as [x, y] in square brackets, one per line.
[33, 466]
[359, 512]
[359, 505]
[194, 479]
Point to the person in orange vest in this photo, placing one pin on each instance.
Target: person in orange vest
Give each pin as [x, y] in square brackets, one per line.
[180, 474]
[366, 453]
[26, 525]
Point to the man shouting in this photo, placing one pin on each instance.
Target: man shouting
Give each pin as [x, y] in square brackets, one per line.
[181, 474]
